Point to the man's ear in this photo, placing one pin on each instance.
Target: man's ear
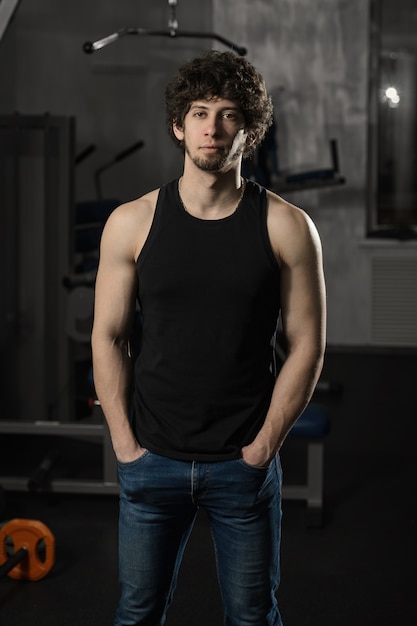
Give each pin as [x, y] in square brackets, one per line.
[178, 131]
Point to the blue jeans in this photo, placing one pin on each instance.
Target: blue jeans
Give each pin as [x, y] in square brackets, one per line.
[159, 499]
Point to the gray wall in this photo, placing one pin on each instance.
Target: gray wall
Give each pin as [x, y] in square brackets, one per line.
[314, 56]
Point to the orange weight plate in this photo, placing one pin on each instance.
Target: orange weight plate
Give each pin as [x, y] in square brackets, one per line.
[40, 543]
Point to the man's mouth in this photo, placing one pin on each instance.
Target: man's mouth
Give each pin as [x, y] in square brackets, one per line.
[211, 147]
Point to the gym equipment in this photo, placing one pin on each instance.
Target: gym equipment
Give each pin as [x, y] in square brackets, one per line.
[91, 46]
[312, 426]
[119, 157]
[40, 479]
[313, 179]
[80, 313]
[33, 549]
[36, 233]
[94, 430]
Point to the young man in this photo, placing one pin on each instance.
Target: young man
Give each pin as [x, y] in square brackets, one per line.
[212, 261]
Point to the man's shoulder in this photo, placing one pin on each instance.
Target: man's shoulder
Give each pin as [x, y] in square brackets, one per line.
[290, 228]
[283, 213]
[141, 205]
[133, 213]
[128, 225]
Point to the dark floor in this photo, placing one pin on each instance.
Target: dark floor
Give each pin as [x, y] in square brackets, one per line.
[358, 570]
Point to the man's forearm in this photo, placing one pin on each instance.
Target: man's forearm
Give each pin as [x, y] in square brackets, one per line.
[112, 369]
[293, 389]
[292, 392]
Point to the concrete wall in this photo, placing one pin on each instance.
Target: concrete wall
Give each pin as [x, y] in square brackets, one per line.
[314, 56]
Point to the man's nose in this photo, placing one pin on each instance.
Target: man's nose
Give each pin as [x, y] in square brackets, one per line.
[213, 126]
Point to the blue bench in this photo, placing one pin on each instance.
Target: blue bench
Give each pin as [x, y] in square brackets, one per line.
[312, 426]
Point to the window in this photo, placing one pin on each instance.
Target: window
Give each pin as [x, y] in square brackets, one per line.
[392, 154]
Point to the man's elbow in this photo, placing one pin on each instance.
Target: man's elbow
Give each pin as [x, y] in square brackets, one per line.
[106, 339]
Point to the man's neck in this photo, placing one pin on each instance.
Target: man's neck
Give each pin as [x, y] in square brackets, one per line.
[210, 195]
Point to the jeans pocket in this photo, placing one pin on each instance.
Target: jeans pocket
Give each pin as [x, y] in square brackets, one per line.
[256, 468]
[121, 465]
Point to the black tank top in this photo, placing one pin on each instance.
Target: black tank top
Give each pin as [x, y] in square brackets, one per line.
[209, 296]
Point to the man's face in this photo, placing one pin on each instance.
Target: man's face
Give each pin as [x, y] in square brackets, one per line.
[213, 134]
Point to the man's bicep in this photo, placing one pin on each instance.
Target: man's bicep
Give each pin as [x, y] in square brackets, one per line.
[303, 294]
[115, 286]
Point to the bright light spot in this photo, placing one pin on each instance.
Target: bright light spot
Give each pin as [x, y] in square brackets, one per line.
[391, 93]
[392, 96]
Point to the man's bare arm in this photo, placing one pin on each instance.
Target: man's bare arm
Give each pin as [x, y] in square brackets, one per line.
[297, 246]
[115, 295]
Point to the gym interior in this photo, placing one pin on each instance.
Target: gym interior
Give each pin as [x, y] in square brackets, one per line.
[82, 129]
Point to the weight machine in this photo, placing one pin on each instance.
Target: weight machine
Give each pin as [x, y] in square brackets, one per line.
[172, 32]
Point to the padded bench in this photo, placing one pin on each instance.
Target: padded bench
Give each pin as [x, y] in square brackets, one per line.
[312, 426]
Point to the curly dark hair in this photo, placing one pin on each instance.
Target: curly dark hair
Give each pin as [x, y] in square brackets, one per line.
[222, 75]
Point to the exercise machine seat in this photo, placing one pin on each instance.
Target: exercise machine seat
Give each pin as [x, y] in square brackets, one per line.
[313, 422]
[312, 426]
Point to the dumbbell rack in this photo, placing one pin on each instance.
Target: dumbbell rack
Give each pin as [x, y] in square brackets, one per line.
[86, 430]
